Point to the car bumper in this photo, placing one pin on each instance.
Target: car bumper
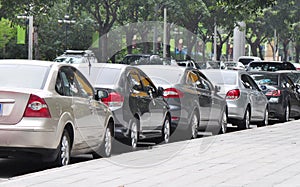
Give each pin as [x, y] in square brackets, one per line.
[30, 133]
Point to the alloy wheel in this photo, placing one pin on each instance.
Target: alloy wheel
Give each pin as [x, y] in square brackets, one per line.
[134, 134]
[194, 126]
[64, 154]
[107, 142]
[223, 129]
[166, 130]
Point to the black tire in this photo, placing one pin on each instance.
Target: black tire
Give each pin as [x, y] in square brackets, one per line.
[64, 150]
[245, 123]
[193, 127]
[223, 123]
[265, 122]
[105, 148]
[285, 117]
[166, 132]
[134, 134]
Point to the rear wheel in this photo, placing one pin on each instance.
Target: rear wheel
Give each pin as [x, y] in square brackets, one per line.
[245, 123]
[64, 150]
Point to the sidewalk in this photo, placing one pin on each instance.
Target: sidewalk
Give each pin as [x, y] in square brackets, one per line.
[268, 156]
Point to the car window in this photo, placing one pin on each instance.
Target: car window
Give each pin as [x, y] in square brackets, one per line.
[134, 81]
[252, 82]
[246, 82]
[23, 76]
[266, 79]
[73, 83]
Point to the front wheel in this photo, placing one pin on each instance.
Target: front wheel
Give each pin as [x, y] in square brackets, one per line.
[106, 146]
[64, 150]
[193, 127]
[245, 123]
[286, 115]
[166, 131]
[265, 122]
[223, 125]
[134, 134]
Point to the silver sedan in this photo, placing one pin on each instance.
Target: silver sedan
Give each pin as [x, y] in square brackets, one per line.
[50, 111]
[246, 103]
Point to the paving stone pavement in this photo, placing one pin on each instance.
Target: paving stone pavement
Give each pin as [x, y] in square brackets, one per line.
[267, 156]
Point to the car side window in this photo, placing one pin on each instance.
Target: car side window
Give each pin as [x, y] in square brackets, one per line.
[147, 83]
[252, 83]
[134, 81]
[192, 78]
[245, 82]
[85, 89]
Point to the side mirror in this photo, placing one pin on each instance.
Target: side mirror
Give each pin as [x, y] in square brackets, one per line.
[160, 91]
[217, 88]
[263, 87]
[100, 94]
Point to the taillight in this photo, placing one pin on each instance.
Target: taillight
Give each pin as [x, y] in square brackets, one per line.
[172, 93]
[36, 107]
[233, 94]
[275, 93]
[114, 99]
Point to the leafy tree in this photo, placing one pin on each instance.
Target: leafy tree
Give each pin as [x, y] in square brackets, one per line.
[105, 13]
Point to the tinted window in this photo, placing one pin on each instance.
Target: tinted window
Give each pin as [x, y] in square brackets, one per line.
[269, 79]
[23, 76]
[270, 66]
[170, 76]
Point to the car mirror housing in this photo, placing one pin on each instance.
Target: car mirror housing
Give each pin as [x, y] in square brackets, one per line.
[160, 91]
[100, 94]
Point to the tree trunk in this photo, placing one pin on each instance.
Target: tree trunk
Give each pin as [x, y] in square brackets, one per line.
[297, 49]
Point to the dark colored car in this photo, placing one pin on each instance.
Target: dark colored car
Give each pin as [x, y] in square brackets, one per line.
[142, 59]
[270, 66]
[194, 102]
[283, 95]
[138, 106]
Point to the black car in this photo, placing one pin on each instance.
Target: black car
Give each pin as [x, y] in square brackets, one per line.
[283, 95]
[270, 66]
[138, 106]
[193, 100]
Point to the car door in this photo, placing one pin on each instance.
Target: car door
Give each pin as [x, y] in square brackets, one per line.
[88, 114]
[294, 98]
[204, 95]
[157, 106]
[257, 98]
[139, 99]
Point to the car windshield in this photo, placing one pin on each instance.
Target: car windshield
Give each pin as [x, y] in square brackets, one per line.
[23, 76]
[265, 79]
[270, 66]
[228, 78]
[104, 76]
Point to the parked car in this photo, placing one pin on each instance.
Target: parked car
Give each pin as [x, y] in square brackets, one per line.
[194, 102]
[283, 95]
[77, 57]
[139, 59]
[270, 66]
[246, 103]
[245, 60]
[188, 64]
[232, 65]
[138, 106]
[49, 110]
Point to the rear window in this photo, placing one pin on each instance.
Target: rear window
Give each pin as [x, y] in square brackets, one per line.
[171, 76]
[270, 66]
[23, 76]
[265, 79]
[104, 76]
[220, 78]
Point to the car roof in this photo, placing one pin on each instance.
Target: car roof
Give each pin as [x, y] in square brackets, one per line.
[26, 61]
[159, 67]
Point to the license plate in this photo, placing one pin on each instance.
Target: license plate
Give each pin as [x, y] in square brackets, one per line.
[1, 109]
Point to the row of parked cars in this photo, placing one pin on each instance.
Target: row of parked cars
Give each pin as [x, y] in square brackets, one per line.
[52, 110]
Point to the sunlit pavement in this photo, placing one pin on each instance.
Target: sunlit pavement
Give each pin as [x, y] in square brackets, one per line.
[266, 156]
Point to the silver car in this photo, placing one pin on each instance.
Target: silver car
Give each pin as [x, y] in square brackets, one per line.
[246, 103]
[49, 110]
